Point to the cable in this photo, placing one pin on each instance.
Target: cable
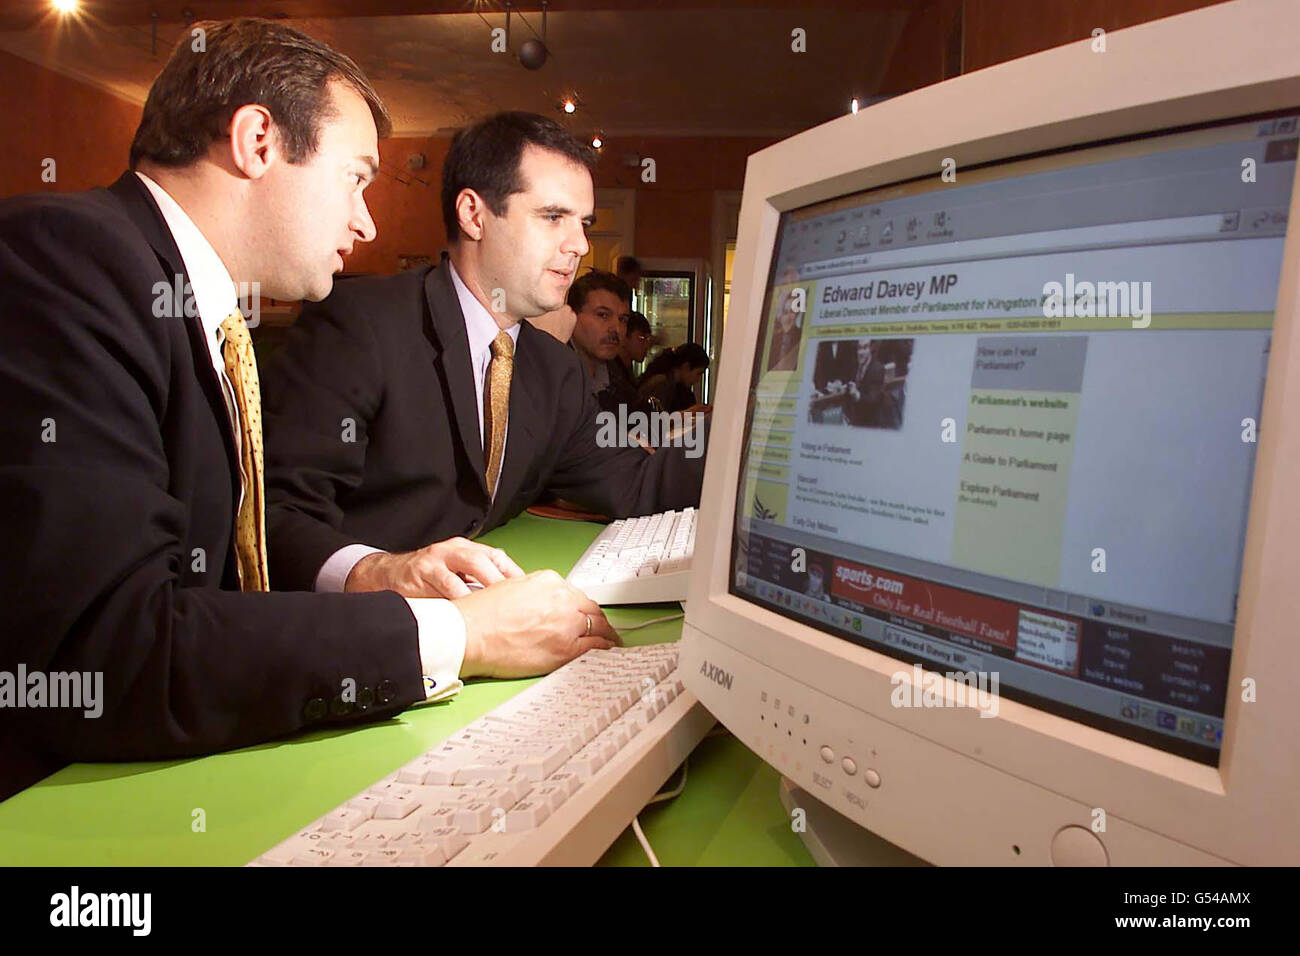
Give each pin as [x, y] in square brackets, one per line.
[669, 794]
[645, 844]
[653, 620]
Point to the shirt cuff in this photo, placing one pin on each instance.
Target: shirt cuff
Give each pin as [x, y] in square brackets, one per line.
[333, 574]
[441, 632]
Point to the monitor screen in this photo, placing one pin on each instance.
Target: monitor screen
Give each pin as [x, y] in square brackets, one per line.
[1003, 420]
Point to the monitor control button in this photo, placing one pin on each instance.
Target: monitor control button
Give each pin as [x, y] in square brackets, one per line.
[872, 778]
[828, 755]
[1077, 846]
[849, 766]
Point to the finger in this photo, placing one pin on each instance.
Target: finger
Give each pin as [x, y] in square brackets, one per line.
[600, 626]
[505, 564]
[445, 582]
[593, 644]
[476, 564]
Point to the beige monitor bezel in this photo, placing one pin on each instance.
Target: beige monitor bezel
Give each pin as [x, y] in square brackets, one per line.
[1222, 62]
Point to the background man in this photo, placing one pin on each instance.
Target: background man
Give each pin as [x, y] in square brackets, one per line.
[602, 303]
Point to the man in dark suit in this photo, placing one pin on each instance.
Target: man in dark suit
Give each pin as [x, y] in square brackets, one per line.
[408, 408]
[864, 405]
[131, 542]
[836, 362]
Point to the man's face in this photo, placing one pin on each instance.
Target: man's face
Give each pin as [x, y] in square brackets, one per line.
[313, 213]
[864, 352]
[599, 330]
[636, 345]
[786, 320]
[532, 252]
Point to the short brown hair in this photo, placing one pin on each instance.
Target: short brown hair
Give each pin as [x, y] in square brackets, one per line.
[245, 61]
[596, 279]
[485, 158]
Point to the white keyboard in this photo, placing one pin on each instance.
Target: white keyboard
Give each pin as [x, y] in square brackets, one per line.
[644, 560]
[552, 776]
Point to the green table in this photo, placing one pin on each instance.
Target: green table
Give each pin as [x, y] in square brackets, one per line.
[225, 809]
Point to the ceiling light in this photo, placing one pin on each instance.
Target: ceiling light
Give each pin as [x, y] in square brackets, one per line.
[569, 106]
[597, 142]
[65, 6]
[853, 105]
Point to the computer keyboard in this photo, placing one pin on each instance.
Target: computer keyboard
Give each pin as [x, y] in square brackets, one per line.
[642, 560]
[552, 776]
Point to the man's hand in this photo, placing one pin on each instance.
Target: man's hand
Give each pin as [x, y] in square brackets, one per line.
[531, 625]
[439, 570]
[559, 323]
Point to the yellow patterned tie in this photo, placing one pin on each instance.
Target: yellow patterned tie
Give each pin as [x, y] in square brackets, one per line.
[496, 405]
[250, 526]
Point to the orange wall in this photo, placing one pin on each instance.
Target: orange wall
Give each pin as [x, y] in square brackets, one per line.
[86, 131]
[673, 214]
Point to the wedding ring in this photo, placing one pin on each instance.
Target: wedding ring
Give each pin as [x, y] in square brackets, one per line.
[588, 625]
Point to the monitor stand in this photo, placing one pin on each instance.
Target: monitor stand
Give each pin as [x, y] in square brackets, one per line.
[835, 840]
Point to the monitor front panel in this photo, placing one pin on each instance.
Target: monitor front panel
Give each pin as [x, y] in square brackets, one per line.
[1002, 424]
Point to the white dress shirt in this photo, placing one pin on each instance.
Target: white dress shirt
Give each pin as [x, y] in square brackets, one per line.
[439, 624]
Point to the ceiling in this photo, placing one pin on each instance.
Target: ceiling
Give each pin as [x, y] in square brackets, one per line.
[681, 68]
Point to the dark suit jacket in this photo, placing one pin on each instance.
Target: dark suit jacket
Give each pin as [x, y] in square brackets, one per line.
[372, 430]
[116, 551]
[836, 361]
[867, 409]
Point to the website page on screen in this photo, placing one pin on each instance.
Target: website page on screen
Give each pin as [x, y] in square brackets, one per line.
[1004, 421]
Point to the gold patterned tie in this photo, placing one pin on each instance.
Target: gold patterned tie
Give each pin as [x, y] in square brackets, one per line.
[496, 405]
[250, 525]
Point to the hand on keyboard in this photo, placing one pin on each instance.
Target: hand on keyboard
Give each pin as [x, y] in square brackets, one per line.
[521, 627]
[438, 570]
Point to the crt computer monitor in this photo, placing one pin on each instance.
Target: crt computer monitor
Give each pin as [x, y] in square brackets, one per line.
[1001, 530]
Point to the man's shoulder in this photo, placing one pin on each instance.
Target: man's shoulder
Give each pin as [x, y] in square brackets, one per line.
[81, 219]
[367, 290]
[388, 306]
[546, 348]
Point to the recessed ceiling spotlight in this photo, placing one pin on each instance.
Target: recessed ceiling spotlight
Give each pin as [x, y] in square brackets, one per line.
[569, 105]
[853, 105]
[65, 6]
[597, 142]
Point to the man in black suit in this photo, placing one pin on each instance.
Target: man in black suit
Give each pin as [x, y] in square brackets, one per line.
[836, 362]
[131, 543]
[407, 408]
[866, 390]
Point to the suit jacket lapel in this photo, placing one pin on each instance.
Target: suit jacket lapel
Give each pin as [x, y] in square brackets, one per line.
[448, 326]
[141, 209]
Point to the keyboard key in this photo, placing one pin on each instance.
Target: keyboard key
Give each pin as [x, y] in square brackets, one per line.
[447, 839]
[422, 855]
[526, 815]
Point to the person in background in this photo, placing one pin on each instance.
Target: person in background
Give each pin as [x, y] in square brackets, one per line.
[622, 380]
[601, 304]
[672, 376]
[628, 268]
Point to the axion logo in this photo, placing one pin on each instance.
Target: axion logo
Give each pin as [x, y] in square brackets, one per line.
[716, 674]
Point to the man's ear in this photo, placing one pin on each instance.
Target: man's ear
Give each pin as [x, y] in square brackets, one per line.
[471, 211]
[254, 142]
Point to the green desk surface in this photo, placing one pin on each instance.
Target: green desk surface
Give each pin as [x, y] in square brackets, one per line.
[225, 809]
